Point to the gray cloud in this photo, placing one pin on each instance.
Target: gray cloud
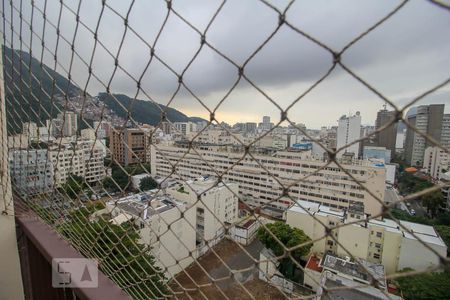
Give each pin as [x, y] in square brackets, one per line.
[405, 56]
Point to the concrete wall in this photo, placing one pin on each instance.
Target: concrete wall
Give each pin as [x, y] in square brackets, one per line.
[10, 278]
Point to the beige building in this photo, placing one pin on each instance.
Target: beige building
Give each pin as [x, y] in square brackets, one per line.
[215, 205]
[330, 186]
[377, 241]
[129, 145]
[436, 162]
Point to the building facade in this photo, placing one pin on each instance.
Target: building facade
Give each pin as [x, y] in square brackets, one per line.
[431, 121]
[31, 171]
[83, 158]
[348, 131]
[436, 162]
[380, 241]
[129, 145]
[388, 136]
[258, 188]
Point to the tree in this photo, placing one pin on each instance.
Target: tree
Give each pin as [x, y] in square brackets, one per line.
[288, 236]
[433, 201]
[147, 183]
[73, 186]
[116, 247]
[425, 286]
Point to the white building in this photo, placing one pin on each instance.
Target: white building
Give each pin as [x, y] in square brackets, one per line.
[83, 158]
[349, 130]
[31, 171]
[377, 241]
[330, 185]
[181, 224]
[436, 162]
[184, 128]
[215, 205]
[167, 225]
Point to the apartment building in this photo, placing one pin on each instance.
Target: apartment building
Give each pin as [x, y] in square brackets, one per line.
[181, 223]
[388, 136]
[165, 224]
[82, 158]
[264, 187]
[431, 121]
[31, 171]
[436, 162]
[348, 131]
[215, 204]
[377, 241]
[129, 145]
[184, 128]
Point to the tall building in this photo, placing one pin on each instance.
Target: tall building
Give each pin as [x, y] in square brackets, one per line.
[330, 185]
[65, 124]
[387, 137]
[266, 124]
[31, 171]
[129, 145]
[349, 130]
[431, 121]
[250, 127]
[436, 162]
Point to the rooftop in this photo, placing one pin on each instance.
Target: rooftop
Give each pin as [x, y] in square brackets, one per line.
[362, 270]
[425, 233]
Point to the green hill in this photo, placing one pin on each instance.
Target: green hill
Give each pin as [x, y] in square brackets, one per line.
[30, 87]
[143, 111]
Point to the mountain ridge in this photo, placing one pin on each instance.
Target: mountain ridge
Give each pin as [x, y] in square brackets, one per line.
[29, 86]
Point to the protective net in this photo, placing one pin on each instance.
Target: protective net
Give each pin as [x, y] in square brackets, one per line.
[192, 208]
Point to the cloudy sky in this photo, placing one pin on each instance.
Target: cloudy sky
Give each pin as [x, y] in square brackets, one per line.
[407, 55]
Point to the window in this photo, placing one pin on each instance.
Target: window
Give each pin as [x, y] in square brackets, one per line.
[330, 243]
[376, 256]
[379, 234]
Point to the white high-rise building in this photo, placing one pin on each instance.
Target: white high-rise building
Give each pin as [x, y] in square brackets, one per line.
[436, 162]
[349, 130]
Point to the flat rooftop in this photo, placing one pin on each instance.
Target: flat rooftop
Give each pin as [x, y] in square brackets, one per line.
[146, 204]
[425, 233]
[361, 269]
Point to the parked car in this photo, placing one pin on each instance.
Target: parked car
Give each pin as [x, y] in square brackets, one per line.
[413, 212]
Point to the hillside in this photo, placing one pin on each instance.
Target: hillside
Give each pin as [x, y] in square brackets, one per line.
[143, 111]
[34, 104]
[24, 103]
